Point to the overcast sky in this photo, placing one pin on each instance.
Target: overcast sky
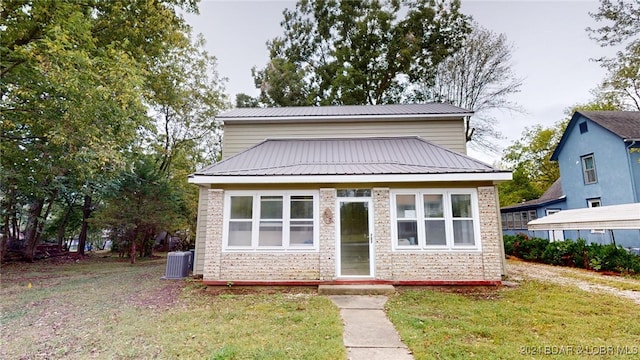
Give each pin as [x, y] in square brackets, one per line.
[552, 50]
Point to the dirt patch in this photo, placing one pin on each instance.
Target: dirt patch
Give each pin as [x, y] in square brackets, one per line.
[519, 270]
[159, 299]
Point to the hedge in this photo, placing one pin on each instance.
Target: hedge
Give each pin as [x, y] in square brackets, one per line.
[573, 253]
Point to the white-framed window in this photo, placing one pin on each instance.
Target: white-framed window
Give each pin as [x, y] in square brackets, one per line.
[589, 169]
[435, 219]
[270, 221]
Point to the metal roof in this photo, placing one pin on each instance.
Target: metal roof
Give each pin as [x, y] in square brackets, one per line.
[396, 111]
[625, 216]
[346, 156]
[553, 194]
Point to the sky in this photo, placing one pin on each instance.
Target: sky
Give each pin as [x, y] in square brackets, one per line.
[552, 52]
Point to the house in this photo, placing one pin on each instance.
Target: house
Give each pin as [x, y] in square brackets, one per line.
[599, 160]
[338, 194]
[516, 217]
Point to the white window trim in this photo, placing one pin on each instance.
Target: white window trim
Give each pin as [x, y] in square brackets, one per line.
[447, 192]
[584, 169]
[286, 221]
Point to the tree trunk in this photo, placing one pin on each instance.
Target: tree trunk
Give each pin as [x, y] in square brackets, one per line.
[5, 224]
[133, 250]
[86, 212]
[31, 233]
[5, 235]
[63, 224]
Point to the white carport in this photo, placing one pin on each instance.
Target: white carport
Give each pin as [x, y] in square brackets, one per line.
[613, 217]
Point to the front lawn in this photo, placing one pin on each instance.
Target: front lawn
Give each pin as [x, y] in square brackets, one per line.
[106, 308]
[532, 320]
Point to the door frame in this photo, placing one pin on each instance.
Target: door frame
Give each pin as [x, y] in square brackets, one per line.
[369, 202]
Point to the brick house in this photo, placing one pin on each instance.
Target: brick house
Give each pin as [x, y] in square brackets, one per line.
[343, 194]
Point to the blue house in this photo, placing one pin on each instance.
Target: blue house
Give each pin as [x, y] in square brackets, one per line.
[599, 159]
[516, 217]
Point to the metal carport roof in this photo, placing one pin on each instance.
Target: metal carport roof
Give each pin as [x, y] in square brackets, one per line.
[613, 217]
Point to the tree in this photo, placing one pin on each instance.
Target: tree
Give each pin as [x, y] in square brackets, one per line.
[622, 28]
[246, 101]
[70, 81]
[142, 203]
[531, 155]
[358, 52]
[477, 77]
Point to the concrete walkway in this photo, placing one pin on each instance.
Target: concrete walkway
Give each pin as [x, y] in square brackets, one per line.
[368, 334]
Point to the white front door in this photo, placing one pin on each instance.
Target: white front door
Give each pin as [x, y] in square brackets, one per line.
[354, 237]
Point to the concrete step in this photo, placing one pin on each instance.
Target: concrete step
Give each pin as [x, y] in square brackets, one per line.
[356, 289]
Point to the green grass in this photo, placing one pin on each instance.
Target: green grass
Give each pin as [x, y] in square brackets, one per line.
[106, 309]
[502, 324]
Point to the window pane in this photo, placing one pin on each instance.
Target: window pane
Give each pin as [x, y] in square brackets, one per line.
[407, 232]
[271, 207]
[532, 215]
[241, 207]
[509, 220]
[406, 206]
[463, 232]
[270, 233]
[435, 233]
[525, 219]
[240, 233]
[461, 205]
[354, 193]
[433, 206]
[302, 207]
[301, 233]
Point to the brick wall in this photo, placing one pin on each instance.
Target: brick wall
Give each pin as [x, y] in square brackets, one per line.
[382, 234]
[490, 232]
[269, 266]
[327, 234]
[450, 265]
[213, 244]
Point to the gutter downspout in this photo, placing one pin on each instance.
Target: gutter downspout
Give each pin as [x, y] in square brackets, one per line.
[633, 183]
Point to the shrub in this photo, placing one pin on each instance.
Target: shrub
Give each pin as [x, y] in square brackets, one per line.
[573, 253]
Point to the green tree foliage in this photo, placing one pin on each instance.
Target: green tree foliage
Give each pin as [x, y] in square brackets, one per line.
[621, 27]
[141, 203]
[529, 157]
[358, 52]
[477, 77]
[71, 79]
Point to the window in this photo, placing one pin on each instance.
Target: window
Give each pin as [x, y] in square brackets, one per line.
[435, 219]
[583, 127]
[504, 220]
[532, 215]
[594, 202]
[509, 220]
[270, 221]
[589, 169]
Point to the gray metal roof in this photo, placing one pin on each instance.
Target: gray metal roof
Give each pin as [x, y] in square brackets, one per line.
[625, 124]
[348, 156]
[553, 194]
[395, 110]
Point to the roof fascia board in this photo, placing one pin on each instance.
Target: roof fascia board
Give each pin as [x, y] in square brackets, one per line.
[534, 206]
[565, 135]
[209, 179]
[585, 225]
[323, 118]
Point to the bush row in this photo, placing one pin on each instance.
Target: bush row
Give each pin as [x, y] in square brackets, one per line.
[573, 253]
